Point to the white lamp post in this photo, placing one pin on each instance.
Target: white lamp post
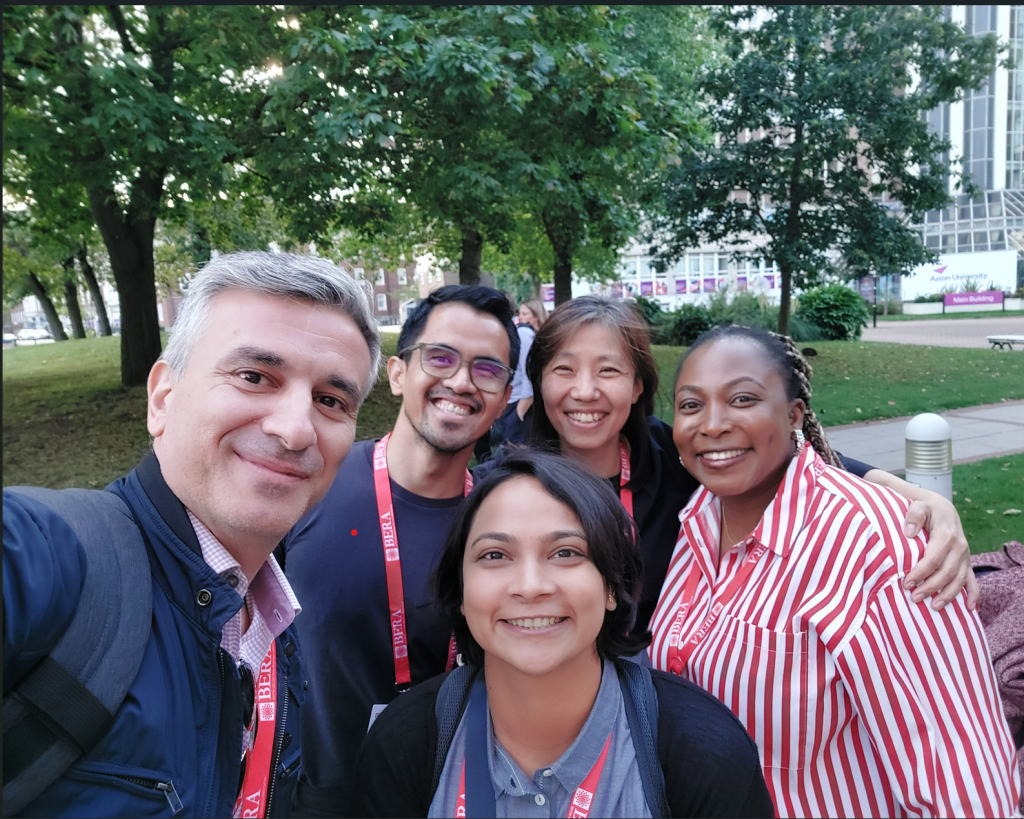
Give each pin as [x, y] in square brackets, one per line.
[930, 453]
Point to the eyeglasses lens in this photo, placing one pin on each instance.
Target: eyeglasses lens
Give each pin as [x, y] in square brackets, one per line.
[444, 363]
[248, 695]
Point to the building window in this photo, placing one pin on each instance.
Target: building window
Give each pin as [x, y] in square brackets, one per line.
[403, 277]
[359, 272]
[382, 302]
[379, 281]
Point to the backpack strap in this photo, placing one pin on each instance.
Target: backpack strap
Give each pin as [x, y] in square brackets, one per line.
[66, 703]
[451, 703]
[641, 702]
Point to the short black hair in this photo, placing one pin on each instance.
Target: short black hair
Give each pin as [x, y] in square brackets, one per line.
[612, 541]
[480, 298]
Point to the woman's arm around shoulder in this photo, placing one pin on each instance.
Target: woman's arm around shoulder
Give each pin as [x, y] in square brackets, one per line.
[711, 764]
[395, 768]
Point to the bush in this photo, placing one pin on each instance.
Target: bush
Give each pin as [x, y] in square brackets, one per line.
[836, 309]
[688, 322]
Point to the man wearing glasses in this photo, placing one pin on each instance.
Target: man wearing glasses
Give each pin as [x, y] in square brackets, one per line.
[361, 561]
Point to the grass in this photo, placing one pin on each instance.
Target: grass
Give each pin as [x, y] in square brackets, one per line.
[982, 492]
[858, 381]
[971, 315]
[67, 421]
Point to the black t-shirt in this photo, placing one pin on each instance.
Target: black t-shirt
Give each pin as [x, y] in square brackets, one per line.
[335, 563]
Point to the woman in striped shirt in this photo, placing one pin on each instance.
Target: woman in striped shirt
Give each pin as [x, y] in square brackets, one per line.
[784, 599]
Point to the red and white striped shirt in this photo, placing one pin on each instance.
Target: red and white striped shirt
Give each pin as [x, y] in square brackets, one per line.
[861, 702]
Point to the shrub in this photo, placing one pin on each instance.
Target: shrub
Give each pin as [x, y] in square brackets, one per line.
[836, 309]
[688, 322]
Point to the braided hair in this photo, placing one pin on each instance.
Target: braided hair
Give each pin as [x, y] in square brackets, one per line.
[790, 364]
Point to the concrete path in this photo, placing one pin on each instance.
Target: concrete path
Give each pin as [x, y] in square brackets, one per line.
[965, 332]
[987, 431]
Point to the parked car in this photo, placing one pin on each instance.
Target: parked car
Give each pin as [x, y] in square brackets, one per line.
[10, 339]
[33, 334]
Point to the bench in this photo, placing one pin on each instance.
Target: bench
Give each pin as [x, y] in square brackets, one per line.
[1003, 342]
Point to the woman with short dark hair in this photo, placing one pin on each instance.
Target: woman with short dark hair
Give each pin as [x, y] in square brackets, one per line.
[546, 713]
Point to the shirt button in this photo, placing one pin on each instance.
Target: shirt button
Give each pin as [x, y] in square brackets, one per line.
[233, 581]
[549, 772]
[539, 799]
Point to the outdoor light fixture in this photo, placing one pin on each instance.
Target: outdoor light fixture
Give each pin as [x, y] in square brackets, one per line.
[930, 453]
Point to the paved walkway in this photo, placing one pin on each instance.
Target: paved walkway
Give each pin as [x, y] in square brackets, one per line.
[981, 432]
[944, 332]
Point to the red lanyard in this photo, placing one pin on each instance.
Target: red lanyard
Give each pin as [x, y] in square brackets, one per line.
[393, 562]
[625, 495]
[679, 655]
[582, 799]
[252, 800]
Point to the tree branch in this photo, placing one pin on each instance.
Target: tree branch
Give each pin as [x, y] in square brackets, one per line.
[117, 17]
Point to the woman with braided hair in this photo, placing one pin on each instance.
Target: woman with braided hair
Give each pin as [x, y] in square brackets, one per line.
[784, 599]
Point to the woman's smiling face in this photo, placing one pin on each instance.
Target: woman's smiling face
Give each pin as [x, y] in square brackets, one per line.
[733, 419]
[589, 388]
[532, 597]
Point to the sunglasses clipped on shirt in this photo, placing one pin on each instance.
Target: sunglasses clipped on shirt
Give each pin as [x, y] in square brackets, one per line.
[440, 361]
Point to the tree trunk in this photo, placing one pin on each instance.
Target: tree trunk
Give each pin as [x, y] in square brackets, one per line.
[56, 328]
[563, 277]
[130, 247]
[71, 297]
[95, 291]
[786, 273]
[472, 250]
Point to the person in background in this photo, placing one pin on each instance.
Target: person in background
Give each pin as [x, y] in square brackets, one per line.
[784, 598]
[252, 408]
[543, 606]
[361, 561]
[594, 383]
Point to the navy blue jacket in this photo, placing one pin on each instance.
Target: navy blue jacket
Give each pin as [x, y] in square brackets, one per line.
[181, 722]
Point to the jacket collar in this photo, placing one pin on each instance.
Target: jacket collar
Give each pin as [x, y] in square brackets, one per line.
[166, 502]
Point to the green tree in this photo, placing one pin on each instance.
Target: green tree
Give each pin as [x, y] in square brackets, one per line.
[821, 140]
[137, 105]
[32, 267]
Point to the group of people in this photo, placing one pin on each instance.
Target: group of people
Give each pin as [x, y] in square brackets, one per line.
[608, 616]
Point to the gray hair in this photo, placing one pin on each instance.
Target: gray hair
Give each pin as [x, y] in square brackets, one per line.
[288, 275]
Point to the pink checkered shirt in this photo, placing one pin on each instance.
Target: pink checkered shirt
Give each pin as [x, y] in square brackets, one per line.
[270, 600]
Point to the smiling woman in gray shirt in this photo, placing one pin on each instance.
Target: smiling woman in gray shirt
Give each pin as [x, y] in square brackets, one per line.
[545, 718]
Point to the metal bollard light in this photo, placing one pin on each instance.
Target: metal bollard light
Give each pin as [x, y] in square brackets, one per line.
[930, 453]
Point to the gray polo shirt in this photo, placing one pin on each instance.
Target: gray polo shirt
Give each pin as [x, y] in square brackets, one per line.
[549, 791]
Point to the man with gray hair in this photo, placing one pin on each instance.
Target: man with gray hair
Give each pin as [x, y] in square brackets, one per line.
[252, 409]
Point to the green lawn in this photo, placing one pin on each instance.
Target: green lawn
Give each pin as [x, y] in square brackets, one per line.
[983, 491]
[67, 422]
[858, 381]
[970, 315]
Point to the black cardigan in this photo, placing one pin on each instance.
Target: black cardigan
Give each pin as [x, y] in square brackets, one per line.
[711, 764]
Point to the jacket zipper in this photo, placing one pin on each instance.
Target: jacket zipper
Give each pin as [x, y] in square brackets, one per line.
[220, 668]
[278, 742]
[167, 788]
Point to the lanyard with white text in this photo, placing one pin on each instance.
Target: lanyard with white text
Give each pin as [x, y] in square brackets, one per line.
[476, 752]
[679, 654]
[393, 562]
[625, 495]
[252, 800]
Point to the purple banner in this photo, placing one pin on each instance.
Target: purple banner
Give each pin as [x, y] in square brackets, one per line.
[963, 299]
[695, 286]
[709, 285]
[741, 282]
[680, 287]
[646, 288]
[547, 292]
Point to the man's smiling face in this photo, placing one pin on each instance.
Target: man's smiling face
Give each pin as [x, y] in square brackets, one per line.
[450, 414]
